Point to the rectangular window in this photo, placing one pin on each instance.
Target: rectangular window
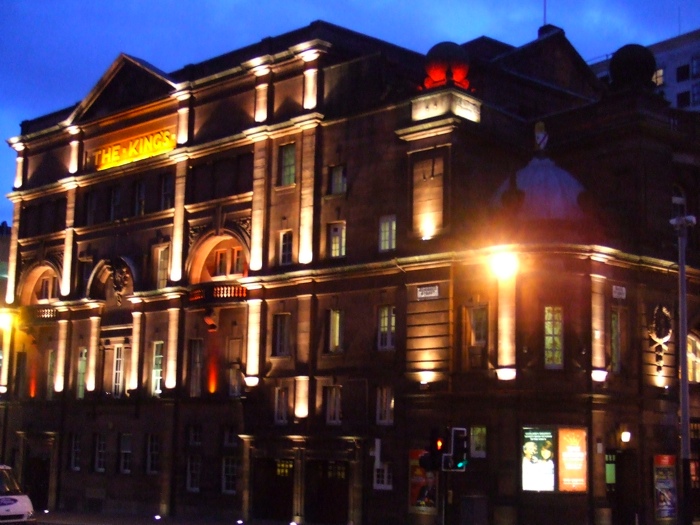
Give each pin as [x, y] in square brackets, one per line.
[683, 99]
[118, 372]
[230, 437]
[334, 331]
[237, 261]
[477, 441]
[281, 334]
[157, 371]
[288, 163]
[50, 372]
[90, 208]
[658, 77]
[194, 435]
[553, 337]
[428, 190]
[125, 453]
[82, 367]
[229, 471]
[196, 367]
[385, 405]
[281, 405]
[152, 453]
[683, 73]
[167, 193]
[75, 452]
[115, 201]
[194, 472]
[100, 452]
[285, 248]
[619, 339]
[162, 264]
[695, 94]
[139, 198]
[383, 477]
[336, 239]
[220, 262]
[387, 233]
[693, 350]
[386, 333]
[48, 289]
[333, 405]
[337, 183]
[695, 67]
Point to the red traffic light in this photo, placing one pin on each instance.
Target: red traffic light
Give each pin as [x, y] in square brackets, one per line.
[439, 444]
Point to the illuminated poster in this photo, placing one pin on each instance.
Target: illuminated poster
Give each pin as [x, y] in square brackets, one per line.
[572, 460]
[665, 494]
[538, 459]
[422, 484]
[554, 459]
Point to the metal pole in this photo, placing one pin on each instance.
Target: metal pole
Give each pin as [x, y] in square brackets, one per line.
[682, 223]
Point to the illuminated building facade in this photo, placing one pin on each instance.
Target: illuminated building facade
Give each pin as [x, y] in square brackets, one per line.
[256, 287]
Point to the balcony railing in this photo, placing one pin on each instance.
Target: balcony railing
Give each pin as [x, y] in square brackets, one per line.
[217, 292]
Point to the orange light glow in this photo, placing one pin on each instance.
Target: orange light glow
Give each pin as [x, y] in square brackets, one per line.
[212, 374]
[131, 150]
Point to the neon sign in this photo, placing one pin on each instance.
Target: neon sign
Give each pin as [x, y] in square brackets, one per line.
[135, 149]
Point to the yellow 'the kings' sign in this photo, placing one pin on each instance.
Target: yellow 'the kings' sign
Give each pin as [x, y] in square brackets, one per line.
[131, 150]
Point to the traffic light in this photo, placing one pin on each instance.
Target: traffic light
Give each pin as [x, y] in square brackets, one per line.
[460, 448]
[432, 459]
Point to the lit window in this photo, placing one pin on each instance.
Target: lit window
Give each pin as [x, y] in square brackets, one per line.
[618, 337]
[100, 452]
[125, 453]
[162, 256]
[334, 331]
[157, 372]
[658, 77]
[336, 239]
[220, 262]
[118, 371]
[237, 261]
[383, 477]
[693, 351]
[287, 160]
[82, 367]
[196, 368]
[337, 183]
[477, 441]
[333, 405]
[284, 468]
[286, 248]
[229, 470]
[387, 233]
[75, 452]
[152, 453]
[385, 405]
[386, 333]
[194, 472]
[281, 405]
[553, 337]
[281, 334]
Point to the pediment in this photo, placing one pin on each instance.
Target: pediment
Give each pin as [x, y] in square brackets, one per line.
[127, 83]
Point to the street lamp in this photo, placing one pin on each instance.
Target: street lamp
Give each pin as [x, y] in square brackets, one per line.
[682, 222]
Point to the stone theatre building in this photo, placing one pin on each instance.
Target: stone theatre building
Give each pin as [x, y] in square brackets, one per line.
[258, 286]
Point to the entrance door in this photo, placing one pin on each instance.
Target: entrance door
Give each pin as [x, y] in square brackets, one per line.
[36, 481]
[273, 489]
[622, 476]
[326, 492]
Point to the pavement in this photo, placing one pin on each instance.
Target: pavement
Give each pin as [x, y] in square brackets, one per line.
[58, 517]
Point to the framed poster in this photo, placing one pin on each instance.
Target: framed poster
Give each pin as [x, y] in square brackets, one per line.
[665, 491]
[422, 485]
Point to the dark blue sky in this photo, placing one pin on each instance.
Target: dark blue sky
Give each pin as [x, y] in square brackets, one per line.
[52, 52]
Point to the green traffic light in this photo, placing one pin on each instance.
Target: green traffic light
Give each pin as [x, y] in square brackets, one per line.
[461, 464]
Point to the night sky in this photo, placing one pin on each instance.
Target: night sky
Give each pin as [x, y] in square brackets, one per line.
[52, 52]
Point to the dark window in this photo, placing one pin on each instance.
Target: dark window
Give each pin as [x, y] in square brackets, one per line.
[682, 73]
[683, 99]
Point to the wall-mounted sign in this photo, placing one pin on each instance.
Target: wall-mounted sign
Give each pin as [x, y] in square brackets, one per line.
[428, 291]
[554, 459]
[619, 292]
[665, 492]
[134, 149]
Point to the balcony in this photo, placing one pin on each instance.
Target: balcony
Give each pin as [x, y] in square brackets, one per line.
[207, 293]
